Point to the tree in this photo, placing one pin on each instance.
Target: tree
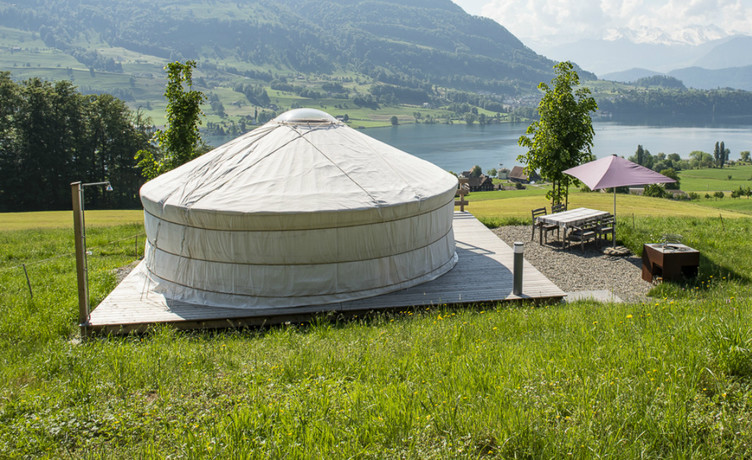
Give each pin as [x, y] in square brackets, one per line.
[476, 171]
[563, 137]
[670, 172]
[642, 157]
[717, 154]
[394, 120]
[50, 129]
[699, 159]
[180, 140]
[744, 156]
[721, 154]
[639, 155]
[51, 135]
[115, 133]
[654, 190]
[492, 172]
[663, 164]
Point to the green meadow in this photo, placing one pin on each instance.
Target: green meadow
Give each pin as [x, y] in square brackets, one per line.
[667, 378]
[716, 179]
[500, 207]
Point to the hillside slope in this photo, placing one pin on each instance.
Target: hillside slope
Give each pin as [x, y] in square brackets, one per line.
[423, 43]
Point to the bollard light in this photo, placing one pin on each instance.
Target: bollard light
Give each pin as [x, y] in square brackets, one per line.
[519, 249]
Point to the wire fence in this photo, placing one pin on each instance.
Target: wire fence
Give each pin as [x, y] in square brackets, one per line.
[23, 265]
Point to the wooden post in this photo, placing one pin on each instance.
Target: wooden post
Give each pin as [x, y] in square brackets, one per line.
[28, 282]
[462, 190]
[78, 229]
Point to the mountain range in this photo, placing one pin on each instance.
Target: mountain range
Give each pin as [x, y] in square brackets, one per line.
[257, 57]
[421, 42]
[713, 64]
[694, 77]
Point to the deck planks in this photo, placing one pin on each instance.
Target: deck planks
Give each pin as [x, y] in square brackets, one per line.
[483, 274]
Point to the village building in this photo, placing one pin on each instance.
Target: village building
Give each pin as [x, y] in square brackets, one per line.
[518, 175]
[480, 183]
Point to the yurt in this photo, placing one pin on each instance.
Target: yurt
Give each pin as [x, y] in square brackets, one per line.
[301, 211]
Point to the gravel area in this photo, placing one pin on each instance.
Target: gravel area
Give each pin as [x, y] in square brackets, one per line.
[572, 270]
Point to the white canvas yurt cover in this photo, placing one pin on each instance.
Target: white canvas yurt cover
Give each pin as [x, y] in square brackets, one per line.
[301, 211]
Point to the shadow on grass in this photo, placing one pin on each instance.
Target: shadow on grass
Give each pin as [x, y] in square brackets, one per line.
[315, 322]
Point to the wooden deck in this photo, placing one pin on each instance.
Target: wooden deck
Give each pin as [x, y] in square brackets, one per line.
[483, 274]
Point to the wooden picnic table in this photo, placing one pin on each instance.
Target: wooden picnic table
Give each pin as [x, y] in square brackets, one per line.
[573, 218]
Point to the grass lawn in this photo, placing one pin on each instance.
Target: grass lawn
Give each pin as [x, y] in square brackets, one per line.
[515, 208]
[713, 179]
[740, 205]
[529, 191]
[63, 219]
[668, 378]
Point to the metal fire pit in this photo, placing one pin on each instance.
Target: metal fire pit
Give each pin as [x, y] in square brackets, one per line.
[670, 262]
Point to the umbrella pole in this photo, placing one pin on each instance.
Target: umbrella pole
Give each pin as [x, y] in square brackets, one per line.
[613, 235]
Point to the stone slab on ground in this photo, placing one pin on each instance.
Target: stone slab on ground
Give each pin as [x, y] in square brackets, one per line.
[598, 296]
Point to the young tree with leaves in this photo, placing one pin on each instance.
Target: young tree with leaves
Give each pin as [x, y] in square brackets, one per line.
[179, 142]
[563, 137]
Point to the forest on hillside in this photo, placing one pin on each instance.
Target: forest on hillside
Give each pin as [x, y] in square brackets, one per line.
[52, 135]
[658, 106]
[434, 43]
[257, 58]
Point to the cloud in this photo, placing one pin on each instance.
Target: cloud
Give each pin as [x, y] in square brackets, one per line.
[550, 21]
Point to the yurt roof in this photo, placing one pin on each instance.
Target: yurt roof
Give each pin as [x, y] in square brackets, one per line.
[304, 169]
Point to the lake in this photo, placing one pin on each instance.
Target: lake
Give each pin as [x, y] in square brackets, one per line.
[459, 147]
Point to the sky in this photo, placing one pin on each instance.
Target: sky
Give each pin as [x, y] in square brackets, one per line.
[548, 22]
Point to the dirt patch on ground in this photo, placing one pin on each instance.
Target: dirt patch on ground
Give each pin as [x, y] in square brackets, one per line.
[122, 272]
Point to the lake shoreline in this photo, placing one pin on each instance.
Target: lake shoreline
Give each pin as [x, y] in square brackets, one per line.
[458, 146]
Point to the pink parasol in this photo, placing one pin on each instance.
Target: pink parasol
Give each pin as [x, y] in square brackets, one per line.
[614, 171]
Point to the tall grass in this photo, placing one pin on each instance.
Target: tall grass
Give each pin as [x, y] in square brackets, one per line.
[669, 378]
[592, 380]
[725, 249]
